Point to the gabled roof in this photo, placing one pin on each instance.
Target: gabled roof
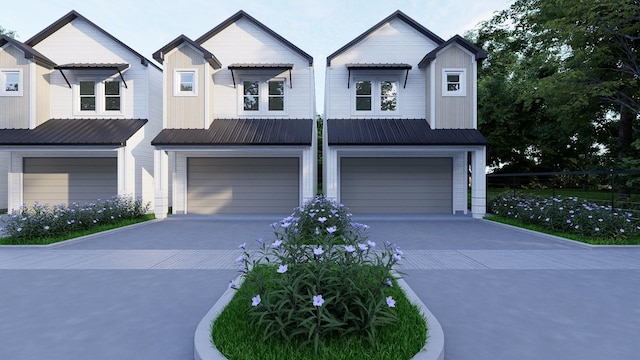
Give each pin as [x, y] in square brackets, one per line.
[211, 59]
[29, 52]
[457, 39]
[241, 14]
[72, 15]
[396, 15]
[94, 132]
[397, 132]
[266, 131]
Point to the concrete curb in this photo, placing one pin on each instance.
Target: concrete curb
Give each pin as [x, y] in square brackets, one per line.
[203, 349]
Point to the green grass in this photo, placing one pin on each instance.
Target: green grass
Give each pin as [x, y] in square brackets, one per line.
[75, 234]
[238, 339]
[584, 239]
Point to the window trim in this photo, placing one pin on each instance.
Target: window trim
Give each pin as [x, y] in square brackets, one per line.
[3, 82]
[376, 94]
[462, 91]
[263, 96]
[177, 81]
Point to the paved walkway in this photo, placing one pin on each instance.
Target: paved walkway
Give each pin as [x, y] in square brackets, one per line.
[499, 292]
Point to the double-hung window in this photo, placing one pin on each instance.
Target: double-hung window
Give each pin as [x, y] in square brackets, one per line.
[97, 96]
[11, 82]
[453, 82]
[263, 97]
[375, 96]
[112, 95]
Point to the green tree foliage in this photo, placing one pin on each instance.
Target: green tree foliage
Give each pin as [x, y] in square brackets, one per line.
[560, 84]
[9, 33]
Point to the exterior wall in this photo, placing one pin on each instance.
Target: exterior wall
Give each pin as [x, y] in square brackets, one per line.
[4, 175]
[14, 110]
[454, 112]
[243, 42]
[395, 42]
[185, 112]
[43, 95]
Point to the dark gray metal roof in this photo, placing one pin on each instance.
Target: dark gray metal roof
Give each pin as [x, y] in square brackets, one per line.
[260, 66]
[379, 66]
[241, 132]
[476, 51]
[397, 132]
[29, 52]
[211, 59]
[93, 66]
[105, 132]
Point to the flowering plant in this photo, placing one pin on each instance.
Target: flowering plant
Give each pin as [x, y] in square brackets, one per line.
[331, 284]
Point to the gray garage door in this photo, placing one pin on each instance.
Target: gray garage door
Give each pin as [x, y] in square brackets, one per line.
[396, 185]
[67, 180]
[242, 185]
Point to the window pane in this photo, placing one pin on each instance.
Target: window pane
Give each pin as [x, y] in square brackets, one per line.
[453, 78]
[112, 103]
[87, 88]
[12, 81]
[112, 88]
[276, 88]
[453, 87]
[87, 103]
[251, 88]
[363, 103]
[363, 87]
[251, 103]
[389, 88]
[276, 103]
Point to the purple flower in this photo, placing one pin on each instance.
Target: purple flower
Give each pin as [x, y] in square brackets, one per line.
[391, 302]
[397, 257]
[362, 247]
[282, 269]
[332, 229]
[260, 240]
[243, 246]
[277, 243]
[318, 251]
[318, 300]
[286, 225]
[349, 248]
[255, 300]
[322, 219]
[240, 259]
[232, 284]
[388, 282]
[371, 243]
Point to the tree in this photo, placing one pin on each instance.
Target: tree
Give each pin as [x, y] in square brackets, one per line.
[9, 33]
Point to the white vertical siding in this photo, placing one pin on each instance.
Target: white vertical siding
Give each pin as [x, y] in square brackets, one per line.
[43, 93]
[4, 176]
[14, 110]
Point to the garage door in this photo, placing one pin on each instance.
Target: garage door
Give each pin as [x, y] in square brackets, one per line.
[242, 185]
[66, 180]
[396, 185]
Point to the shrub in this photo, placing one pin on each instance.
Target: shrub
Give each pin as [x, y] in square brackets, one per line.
[569, 215]
[320, 278]
[41, 221]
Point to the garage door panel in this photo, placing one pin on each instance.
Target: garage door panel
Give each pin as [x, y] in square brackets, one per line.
[242, 185]
[396, 185]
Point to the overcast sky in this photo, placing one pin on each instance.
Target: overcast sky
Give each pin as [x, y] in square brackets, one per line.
[318, 27]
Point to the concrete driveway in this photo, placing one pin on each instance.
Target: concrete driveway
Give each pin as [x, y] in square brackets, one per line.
[499, 292]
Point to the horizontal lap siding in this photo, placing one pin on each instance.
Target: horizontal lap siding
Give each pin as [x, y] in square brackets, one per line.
[66, 180]
[242, 185]
[396, 185]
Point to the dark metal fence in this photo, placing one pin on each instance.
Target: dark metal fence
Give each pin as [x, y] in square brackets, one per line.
[617, 188]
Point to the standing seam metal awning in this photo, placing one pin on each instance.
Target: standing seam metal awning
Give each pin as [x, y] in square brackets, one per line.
[371, 66]
[260, 66]
[84, 66]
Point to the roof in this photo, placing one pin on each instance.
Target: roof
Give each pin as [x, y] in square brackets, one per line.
[241, 14]
[90, 66]
[69, 17]
[211, 59]
[397, 132]
[29, 52]
[260, 66]
[396, 15]
[242, 132]
[457, 39]
[105, 132]
[378, 66]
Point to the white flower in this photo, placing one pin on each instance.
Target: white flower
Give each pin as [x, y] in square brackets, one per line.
[318, 300]
[371, 243]
[391, 302]
[349, 248]
[318, 251]
[255, 301]
[282, 269]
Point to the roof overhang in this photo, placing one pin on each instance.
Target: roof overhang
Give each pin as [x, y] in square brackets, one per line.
[119, 67]
[379, 66]
[182, 39]
[260, 66]
[29, 52]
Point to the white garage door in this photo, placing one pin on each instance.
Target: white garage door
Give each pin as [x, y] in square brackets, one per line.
[396, 185]
[242, 185]
[66, 180]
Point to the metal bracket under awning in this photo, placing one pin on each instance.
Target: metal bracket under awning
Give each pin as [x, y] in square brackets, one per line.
[378, 67]
[117, 67]
[233, 67]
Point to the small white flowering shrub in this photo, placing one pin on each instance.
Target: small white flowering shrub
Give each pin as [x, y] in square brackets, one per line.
[320, 278]
[570, 215]
[41, 221]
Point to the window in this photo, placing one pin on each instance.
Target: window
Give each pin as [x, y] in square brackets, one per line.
[263, 97]
[11, 82]
[87, 96]
[186, 83]
[376, 96]
[453, 83]
[112, 95]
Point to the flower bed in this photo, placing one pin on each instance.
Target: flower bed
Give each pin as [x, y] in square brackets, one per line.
[43, 221]
[319, 282]
[570, 215]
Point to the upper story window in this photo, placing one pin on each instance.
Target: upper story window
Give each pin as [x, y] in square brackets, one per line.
[185, 82]
[98, 97]
[112, 95]
[87, 96]
[376, 96]
[261, 97]
[11, 82]
[453, 82]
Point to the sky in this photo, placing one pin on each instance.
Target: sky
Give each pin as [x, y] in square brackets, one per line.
[318, 27]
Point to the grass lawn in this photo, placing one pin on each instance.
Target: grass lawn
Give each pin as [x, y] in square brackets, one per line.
[237, 338]
[75, 234]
